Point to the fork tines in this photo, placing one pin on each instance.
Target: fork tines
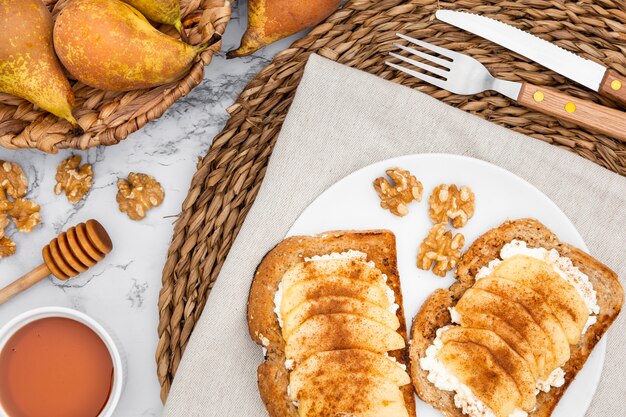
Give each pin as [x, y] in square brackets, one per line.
[443, 73]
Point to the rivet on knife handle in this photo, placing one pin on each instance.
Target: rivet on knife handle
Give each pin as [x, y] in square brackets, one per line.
[584, 113]
[614, 86]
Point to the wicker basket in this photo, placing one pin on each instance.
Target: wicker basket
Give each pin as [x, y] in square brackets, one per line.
[360, 35]
[109, 117]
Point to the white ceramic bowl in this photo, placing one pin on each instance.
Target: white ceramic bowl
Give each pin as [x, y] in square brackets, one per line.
[44, 312]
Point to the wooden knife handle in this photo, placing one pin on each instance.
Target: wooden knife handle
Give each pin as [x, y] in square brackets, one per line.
[584, 113]
[613, 86]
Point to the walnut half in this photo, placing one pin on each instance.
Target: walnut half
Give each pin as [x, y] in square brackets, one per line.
[404, 190]
[12, 180]
[138, 194]
[25, 214]
[76, 180]
[448, 202]
[4, 222]
[7, 247]
[441, 249]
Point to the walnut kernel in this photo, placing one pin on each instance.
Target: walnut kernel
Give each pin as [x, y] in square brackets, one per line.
[404, 190]
[4, 222]
[25, 214]
[449, 203]
[138, 194]
[440, 249]
[7, 247]
[76, 180]
[12, 179]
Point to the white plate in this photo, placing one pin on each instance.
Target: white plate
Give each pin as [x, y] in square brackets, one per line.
[352, 203]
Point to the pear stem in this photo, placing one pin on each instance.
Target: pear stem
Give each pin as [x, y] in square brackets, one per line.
[179, 27]
[78, 131]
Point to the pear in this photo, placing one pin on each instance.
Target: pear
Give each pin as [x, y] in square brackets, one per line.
[161, 11]
[28, 66]
[271, 20]
[110, 45]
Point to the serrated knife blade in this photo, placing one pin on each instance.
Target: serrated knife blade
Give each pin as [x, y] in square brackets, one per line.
[588, 73]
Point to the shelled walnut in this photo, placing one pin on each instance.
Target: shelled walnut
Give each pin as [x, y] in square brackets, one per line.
[138, 194]
[440, 249]
[7, 247]
[76, 180]
[405, 189]
[449, 203]
[25, 214]
[13, 182]
[4, 222]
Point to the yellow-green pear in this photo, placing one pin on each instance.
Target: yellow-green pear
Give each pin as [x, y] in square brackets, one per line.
[28, 66]
[110, 45]
[271, 20]
[161, 11]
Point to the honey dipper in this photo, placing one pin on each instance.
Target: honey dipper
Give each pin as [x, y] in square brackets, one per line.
[66, 256]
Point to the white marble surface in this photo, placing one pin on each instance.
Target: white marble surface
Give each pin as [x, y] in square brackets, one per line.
[122, 291]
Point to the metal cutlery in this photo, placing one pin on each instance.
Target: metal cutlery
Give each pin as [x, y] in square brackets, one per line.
[462, 74]
[592, 75]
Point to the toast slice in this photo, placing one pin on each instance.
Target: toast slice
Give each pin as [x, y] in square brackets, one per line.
[434, 313]
[273, 380]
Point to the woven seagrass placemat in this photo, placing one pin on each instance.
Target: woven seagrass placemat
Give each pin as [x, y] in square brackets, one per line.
[360, 35]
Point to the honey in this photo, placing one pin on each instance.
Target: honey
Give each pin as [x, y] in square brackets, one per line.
[55, 367]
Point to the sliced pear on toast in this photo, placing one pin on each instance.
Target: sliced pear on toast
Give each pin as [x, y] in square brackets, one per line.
[353, 268]
[513, 313]
[508, 333]
[535, 305]
[337, 304]
[302, 291]
[347, 361]
[513, 364]
[389, 409]
[561, 296]
[476, 367]
[340, 331]
[354, 395]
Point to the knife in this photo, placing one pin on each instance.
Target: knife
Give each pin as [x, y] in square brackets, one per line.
[592, 75]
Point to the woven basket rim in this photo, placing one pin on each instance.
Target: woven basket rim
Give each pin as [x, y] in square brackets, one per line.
[109, 117]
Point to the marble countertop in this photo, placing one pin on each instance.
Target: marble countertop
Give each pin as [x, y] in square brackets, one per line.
[122, 291]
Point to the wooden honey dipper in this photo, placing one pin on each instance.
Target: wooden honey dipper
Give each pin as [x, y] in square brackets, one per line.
[66, 256]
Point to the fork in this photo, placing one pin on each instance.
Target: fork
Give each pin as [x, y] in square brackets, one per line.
[462, 74]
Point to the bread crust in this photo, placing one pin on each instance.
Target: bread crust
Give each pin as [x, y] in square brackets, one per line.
[380, 246]
[434, 313]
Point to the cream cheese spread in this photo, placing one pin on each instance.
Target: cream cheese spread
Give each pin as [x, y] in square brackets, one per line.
[562, 265]
[349, 254]
[445, 380]
[265, 343]
[556, 379]
[391, 358]
[391, 296]
[278, 298]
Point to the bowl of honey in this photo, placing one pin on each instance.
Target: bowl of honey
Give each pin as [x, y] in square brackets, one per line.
[58, 361]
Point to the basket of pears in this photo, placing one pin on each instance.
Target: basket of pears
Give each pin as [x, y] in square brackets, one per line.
[83, 73]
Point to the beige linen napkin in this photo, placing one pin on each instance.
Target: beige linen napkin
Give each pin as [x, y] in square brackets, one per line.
[341, 120]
